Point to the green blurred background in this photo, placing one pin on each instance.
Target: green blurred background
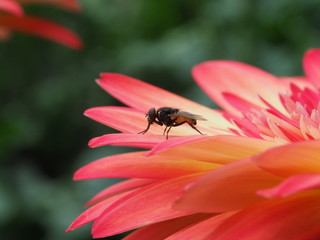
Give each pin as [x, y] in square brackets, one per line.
[45, 88]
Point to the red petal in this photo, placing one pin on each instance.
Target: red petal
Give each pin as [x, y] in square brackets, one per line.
[161, 230]
[291, 159]
[131, 121]
[143, 96]
[136, 165]
[240, 103]
[152, 204]
[200, 230]
[311, 67]
[122, 139]
[11, 7]
[227, 188]
[121, 118]
[217, 149]
[95, 211]
[118, 188]
[294, 218]
[42, 28]
[219, 77]
[292, 185]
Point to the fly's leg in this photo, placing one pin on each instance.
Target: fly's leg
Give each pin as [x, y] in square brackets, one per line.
[146, 130]
[167, 136]
[191, 125]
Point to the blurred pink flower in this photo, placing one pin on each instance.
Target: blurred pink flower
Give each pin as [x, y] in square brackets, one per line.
[13, 18]
[255, 175]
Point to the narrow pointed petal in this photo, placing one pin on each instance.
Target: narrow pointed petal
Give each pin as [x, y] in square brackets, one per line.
[200, 230]
[292, 185]
[128, 120]
[121, 118]
[311, 62]
[227, 188]
[217, 149]
[11, 7]
[219, 77]
[42, 28]
[162, 230]
[240, 104]
[131, 140]
[294, 218]
[152, 204]
[136, 165]
[143, 96]
[95, 211]
[118, 188]
[291, 159]
[301, 82]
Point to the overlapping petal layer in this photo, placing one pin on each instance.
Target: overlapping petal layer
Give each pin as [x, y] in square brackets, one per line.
[255, 175]
[146, 206]
[165, 229]
[220, 149]
[291, 159]
[294, 217]
[136, 165]
[228, 188]
[292, 185]
[118, 188]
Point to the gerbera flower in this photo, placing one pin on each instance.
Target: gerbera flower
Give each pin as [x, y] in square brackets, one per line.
[13, 18]
[255, 175]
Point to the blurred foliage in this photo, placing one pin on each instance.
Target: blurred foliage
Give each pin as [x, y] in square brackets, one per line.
[45, 88]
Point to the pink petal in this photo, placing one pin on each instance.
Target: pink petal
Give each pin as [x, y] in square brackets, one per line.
[143, 96]
[162, 230]
[227, 188]
[292, 185]
[294, 218]
[240, 104]
[42, 28]
[11, 7]
[152, 204]
[217, 149]
[129, 120]
[131, 140]
[311, 67]
[174, 142]
[118, 188]
[136, 165]
[219, 77]
[291, 159]
[95, 211]
[121, 118]
[200, 230]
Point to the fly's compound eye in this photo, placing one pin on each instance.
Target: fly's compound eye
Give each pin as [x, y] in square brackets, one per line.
[151, 115]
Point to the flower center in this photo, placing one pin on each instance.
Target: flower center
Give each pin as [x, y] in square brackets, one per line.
[300, 122]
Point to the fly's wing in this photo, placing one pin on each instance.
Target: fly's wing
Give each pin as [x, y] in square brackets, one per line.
[187, 115]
